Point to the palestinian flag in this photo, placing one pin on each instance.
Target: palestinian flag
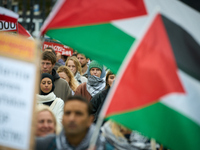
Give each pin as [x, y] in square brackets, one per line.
[158, 90]
[93, 27]
[105, 30]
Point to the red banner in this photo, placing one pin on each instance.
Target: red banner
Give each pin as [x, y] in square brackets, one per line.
[64, 50]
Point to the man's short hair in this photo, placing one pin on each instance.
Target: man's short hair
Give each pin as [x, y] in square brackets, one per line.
[82, 55]
[47, 55]
[81, 99]
[51, 50]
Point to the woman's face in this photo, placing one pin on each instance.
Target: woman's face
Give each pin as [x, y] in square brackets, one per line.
[45, 123]
[111, 78]
[64, 76]
[46, 85]
[71, 65]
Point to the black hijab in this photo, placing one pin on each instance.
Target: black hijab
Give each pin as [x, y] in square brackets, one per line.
[47, 75]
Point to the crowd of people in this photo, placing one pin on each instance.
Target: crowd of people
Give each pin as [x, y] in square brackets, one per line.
[72, 93]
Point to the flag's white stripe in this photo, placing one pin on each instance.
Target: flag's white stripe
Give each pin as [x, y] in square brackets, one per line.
[8, 12]
[187, 104]
[53, 13]
[180, 13]
[131, 26]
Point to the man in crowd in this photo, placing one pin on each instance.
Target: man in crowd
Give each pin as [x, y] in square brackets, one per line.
[77, 128]
[96, 82]
[84, 63]
[62, 89]
[59, 61]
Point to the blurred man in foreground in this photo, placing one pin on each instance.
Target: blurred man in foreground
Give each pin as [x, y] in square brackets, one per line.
[77, 128]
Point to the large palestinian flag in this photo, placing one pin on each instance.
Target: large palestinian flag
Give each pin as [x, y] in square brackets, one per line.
[160, 95]
[105, 30]
[158, 89]
[91, 27]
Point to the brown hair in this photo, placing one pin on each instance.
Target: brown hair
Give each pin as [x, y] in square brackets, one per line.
[52, 50]
[82, 55]
[72, 81]
[47, 55]
[107, 76]
[76, 62]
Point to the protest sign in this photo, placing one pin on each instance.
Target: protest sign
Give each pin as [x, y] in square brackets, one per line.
[64, 50]
[8, 20]
[8, 26]
[18, 82]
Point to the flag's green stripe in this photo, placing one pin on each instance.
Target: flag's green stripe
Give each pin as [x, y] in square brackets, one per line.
[185, 48]
[104, 43]
[167, 126]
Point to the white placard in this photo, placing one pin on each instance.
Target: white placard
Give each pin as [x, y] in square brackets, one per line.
[8, 26]
[17, 88]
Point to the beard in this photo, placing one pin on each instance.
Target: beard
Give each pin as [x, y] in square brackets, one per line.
[46, 71]
[83, 65]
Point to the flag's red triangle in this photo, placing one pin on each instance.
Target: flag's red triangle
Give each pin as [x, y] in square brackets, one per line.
[150, 74]
[72, 13]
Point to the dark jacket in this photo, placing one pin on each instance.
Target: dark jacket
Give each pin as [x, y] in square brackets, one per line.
[97, 102]
[46, 143]
[62, 89]
[57, 65]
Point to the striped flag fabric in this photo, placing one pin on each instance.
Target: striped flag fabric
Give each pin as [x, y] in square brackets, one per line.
[161, 97]
[90, 26]
[105, 30]
[8, 15]
[158, 89]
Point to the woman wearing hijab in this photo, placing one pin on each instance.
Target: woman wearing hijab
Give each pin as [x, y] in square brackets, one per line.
[96, 81]
[47, 97]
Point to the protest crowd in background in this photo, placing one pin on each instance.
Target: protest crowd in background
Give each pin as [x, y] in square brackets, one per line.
[112, 87]
[85, 102]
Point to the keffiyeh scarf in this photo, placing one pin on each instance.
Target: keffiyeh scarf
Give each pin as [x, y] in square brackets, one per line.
[62, 143]
[95, 85]
[78, 77]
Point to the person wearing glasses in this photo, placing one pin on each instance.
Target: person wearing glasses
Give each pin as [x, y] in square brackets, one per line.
[62, 89]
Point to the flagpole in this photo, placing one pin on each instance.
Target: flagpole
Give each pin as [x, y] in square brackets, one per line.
[153, 144]
[127, 59]
[96, 133]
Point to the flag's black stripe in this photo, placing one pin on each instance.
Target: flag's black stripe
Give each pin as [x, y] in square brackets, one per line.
[195, 4]
[185, 48]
